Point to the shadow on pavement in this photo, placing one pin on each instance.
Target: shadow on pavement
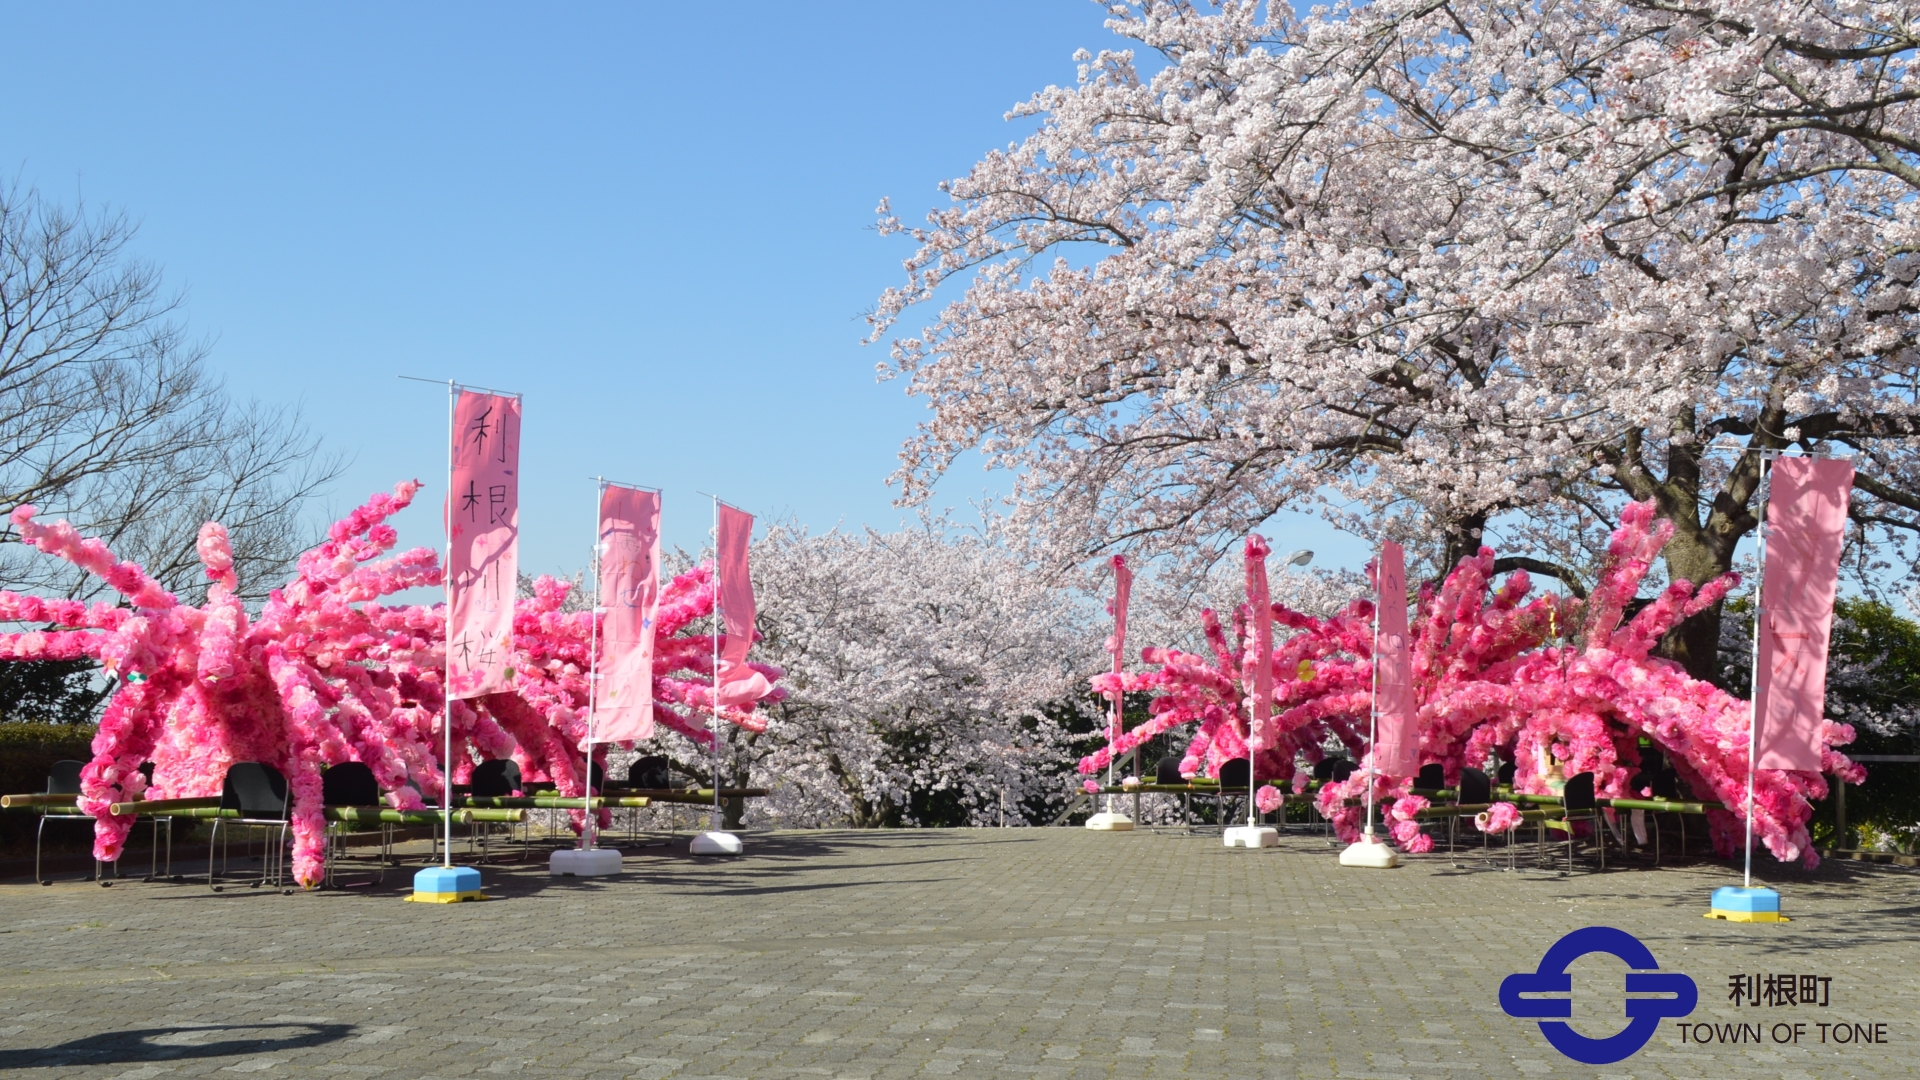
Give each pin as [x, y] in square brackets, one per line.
[175, 1044]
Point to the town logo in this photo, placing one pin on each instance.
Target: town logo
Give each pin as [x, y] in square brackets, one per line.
[1643, 1013]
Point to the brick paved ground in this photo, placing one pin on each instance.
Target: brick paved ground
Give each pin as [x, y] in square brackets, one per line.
[1045, 953]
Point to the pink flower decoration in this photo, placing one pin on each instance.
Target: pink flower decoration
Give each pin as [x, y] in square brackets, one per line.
[1498, 818]
[1267, 799]
[324, 673]
[1494, 674]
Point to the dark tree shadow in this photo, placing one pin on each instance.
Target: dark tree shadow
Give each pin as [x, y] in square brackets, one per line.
[137, 1045]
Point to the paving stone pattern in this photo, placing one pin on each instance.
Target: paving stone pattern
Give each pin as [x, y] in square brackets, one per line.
[1048, 953]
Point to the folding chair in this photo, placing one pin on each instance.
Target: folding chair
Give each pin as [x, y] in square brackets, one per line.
[63, 780]
[259, 793]
[1476, 789]
[497, 778]
[1234, 776]
[351, 783]
[160, 821]
[1580, 805]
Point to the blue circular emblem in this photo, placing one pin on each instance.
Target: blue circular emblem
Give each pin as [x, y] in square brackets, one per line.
[1643, 1014]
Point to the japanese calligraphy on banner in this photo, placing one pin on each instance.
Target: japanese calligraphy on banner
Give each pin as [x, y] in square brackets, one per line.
[630, 595]
[483, 533]
[1806, 525]
[735, 682]
[1261, 608]
[1399, 750]
[1117, 644]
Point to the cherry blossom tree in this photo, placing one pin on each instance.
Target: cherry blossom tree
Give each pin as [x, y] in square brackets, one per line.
[927, 668]
[1433, 265]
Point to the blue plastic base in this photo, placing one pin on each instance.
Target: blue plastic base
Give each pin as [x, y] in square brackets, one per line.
[1736, 904]
[1731, 898]
[446, 885]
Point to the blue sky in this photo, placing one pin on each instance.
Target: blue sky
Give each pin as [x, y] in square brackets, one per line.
[645, 218]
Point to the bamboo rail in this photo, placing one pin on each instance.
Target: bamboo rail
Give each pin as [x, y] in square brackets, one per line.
[550, 802]
[688, 795]
[23, 802]
[370, 815]
[159, 807]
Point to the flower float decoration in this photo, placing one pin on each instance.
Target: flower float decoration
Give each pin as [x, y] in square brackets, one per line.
[325, 673]
[1550, 683]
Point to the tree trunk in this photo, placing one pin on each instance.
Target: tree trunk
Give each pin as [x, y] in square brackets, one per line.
[1463, 538]
[1695, 643]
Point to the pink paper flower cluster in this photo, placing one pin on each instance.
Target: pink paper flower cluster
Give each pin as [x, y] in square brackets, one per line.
[1498, 818]
[323, 673]
[1542, 681]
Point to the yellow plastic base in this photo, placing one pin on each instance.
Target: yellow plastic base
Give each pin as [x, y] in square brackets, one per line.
[1747, 916]
[445, 898]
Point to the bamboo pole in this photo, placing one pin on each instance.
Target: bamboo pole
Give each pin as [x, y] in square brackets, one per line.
[155, 807]
[541, 802]
[368, 815]
[22, 802]
[704, 795]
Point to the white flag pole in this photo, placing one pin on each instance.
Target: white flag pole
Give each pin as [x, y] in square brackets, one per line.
[446, 715]
[593, 666]
[1367, 851]
[1753, 687]
[716, 841]
[713, 818]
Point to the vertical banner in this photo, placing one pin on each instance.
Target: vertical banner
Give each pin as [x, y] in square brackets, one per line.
[483, 532]
[738, 684]
[1117, 645]
[1806, 526]
[1262, 647]
[630, 596]
[1395, 719]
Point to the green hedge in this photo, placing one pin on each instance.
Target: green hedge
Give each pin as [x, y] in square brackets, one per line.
[27, 754]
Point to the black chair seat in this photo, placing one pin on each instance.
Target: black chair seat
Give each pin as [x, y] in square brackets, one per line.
[1167, 771]
[349, 783]
[1475, 788]
[496, 779]
[1430, 778]
[651, 773]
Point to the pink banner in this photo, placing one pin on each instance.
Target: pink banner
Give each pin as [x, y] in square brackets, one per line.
[1395, 716]
[1117, 645]
[483, 532]
[737, 684]
[1806, 525]
[1262, 648]
[629, 594]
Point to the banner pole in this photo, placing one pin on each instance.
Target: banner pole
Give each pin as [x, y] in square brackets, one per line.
[1373, 709]
[1753, 689]
[446, 717]
[593, 668]
[714, 817]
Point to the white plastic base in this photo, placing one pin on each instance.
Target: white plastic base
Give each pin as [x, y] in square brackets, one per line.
[572, 862]
[715, 843]
[1109, 821]
[1370, 853]
[1251, 836]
